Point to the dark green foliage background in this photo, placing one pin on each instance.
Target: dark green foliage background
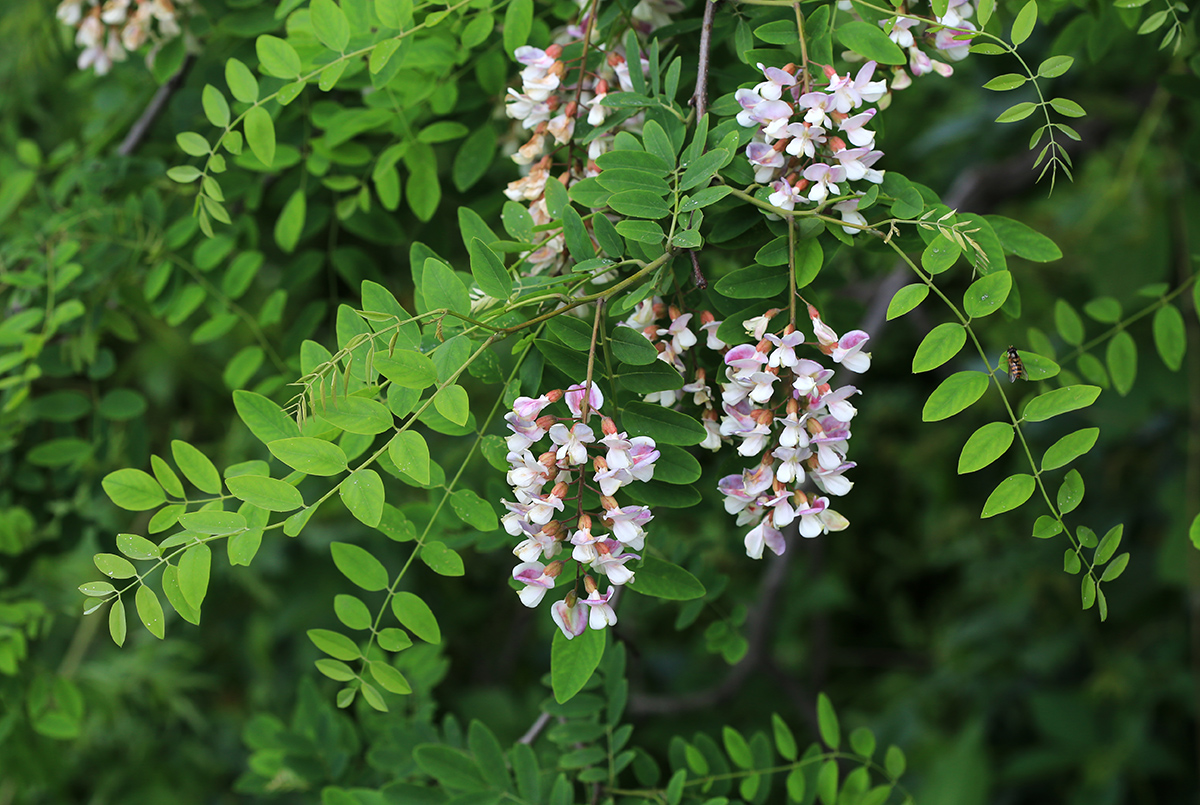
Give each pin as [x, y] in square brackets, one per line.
[959, 639]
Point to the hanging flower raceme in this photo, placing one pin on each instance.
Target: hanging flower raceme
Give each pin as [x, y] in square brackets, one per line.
[797, 150]
[576, 463]
[107, 29]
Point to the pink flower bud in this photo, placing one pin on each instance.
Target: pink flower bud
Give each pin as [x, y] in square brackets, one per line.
[559, 491]
[554, 568]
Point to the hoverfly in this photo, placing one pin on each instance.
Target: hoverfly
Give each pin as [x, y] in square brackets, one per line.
[1016, 369]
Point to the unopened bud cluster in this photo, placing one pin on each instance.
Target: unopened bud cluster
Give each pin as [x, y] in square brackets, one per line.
[106, 30]
[575, 461]
[771, 403]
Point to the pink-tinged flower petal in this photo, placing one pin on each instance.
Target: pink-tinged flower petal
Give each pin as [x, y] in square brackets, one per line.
[574, 398]
[571, 620]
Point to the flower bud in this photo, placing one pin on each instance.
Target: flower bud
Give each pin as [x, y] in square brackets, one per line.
[554, 568]
[835, 143]
[828, 70]
[554, 51]
[673, 312]
[608, 427]
[552, 528]
[559, 491]
[793, 406]
[553, 395]
[764, 346]
[553, 102]
[589, 584]
[572, 107]
[601, 87]
[762, 416]
[585, 522]
[546, 421]
[706, 317]
[608, 502]
[599, 464]
[570, 599]
[614, 59]
[548, 460]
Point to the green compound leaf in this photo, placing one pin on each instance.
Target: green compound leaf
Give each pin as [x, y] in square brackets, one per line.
[216, 108]
[1070, 494]
[1170, 338]
[869, 40]
[572, 662]
[310, 456]
[260, 134]
[410, 453]
[416, 616]
[907, 299]
[955, 394]
[1069, 448]
[116, 622]
[737, 748]
[150, 611]
[335, 670]
[518, 21]
[133, 490]
[277, 58]
[676, 466]
[488, 270]
[1109, 544]
[442, 289]
[1023, 24]
[335, 644]
[407, 368]
[987, 294]
[1060, 401]
[266, 493]
[661, 424]
[330, 24]
[631, 347]
[1068, 323]
[1011, 493]
[639, 204]
[356, 415]
[985, 446]
[389, 678]
[196, 467]
[1046, 527]
[170, 585]
[1023, 241]
[290, 223]
[352, 612]
[1121, 357]
[940, 345]
[1114, 570]
[474, 510]
[442, 560]
[113, 566]
[940, 255]
[827, 722]
[661, 579]
[753, 282]
[265, 419]
[194, 566]
[241, 81]
[213, 523]
[362, 494]
[358, 565]
[785, 741]
[452, 403]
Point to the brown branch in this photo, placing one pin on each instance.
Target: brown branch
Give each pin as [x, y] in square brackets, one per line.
[700, 98]
[142, 125]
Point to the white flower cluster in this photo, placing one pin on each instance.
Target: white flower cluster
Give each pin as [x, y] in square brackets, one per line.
[541, 519]
[940, 33]
[107, 30]
[795, 150]
[808, 442]
[775, 404]
[549, 103]
[553, 97]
